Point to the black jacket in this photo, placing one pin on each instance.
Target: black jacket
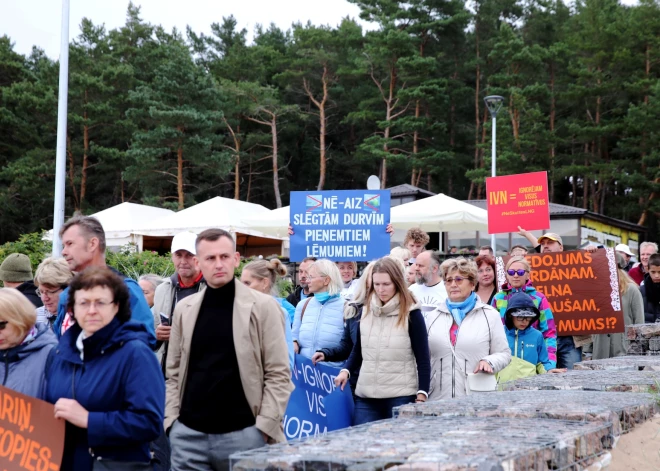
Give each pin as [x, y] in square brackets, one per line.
[29, 290]
[294, 298]
[651, 295]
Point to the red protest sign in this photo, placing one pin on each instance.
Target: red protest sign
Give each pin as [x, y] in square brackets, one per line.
[31, 438]
[518, 200]
[582, 289]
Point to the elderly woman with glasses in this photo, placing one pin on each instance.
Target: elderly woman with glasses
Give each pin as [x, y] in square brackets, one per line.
[104, 379]
[319, 319]
[518, 281]
[466, 336]
[24, 345]
[52, 276]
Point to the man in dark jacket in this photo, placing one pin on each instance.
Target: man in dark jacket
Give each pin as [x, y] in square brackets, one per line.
[16, 272]
[651, 290]
[302, 291]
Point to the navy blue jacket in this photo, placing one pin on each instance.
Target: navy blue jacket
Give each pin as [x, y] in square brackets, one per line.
[119, 383]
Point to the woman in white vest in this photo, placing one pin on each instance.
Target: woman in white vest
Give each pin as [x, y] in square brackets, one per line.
[465, 335]
[391, 350]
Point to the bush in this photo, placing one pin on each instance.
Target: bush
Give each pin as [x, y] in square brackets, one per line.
[31, 245]
[134, 264]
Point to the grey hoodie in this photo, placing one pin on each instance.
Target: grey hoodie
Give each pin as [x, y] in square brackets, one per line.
[22, 367]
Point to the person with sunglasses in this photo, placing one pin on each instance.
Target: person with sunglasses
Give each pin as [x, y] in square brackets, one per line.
[465, 335]
[24, 345]
[518, 281]
[52, 277]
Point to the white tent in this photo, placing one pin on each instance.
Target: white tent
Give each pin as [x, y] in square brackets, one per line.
[275, 223]
[121, 221]
[439, 213]
[218, 212]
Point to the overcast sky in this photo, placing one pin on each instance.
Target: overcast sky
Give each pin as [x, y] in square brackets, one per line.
[37, 22]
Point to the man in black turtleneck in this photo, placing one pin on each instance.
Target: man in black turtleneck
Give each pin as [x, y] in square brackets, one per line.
[651, 290]
[228, 368]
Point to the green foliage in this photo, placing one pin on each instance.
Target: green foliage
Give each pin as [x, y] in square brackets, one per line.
[284, 285]
[33, 245]
[134, 264]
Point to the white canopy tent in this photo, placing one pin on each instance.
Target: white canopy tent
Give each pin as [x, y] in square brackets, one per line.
[218, 212]
[121, 221]
[275, 223]
[439, 213]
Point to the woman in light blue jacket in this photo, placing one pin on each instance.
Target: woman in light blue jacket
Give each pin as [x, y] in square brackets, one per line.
[319, 321]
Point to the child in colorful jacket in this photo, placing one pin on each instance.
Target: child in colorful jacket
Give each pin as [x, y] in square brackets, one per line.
[525, 341]
[517, 274]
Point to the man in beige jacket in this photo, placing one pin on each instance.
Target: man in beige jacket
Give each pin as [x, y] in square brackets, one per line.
[227, 367]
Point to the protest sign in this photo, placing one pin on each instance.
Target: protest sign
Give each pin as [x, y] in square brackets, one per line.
[340, 225]
[582, 289]
[31, 438]
[316, 406]
[518, 200]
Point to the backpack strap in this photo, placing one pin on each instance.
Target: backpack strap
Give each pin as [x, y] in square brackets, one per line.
[302, 314]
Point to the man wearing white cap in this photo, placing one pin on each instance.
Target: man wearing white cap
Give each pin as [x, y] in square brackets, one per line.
[186, 280]
[625, 252]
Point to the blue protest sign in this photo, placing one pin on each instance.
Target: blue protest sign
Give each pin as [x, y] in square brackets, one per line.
[316, 406]
[347, 225]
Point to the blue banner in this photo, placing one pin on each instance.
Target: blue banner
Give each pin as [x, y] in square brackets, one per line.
[341, 226]
[316, 406]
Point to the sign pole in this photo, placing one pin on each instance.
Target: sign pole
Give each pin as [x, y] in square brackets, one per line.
[60, 156]
[493, 237]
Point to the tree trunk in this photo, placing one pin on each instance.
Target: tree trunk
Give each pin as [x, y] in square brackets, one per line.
[415, 147]
[553, 104]
[76, 202]
[477, 111]
[179, 173]
[276, 178]
[249, 189]
[323, 162]
[85, 162]
[321, 105]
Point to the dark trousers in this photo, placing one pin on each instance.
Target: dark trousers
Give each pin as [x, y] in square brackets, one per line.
[567, 353]
[370, 410]
[161, 453]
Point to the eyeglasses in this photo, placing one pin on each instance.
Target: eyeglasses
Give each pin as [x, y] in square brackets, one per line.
[516, 272]
[87, 305]
[522, 319]
[3, 324]
[457, 279]
[50, 293]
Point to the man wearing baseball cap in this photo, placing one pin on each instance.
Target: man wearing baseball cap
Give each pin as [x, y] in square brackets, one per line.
[625, 252]
[186, 280]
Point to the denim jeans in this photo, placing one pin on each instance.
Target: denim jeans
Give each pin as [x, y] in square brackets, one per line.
[370, 410]
[567, 353]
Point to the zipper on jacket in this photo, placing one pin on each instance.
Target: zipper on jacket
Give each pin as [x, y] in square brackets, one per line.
[453, 376]
[515, 348]
[73, 382]
[4, 381]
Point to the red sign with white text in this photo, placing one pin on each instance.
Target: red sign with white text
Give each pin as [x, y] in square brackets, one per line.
[518, 200]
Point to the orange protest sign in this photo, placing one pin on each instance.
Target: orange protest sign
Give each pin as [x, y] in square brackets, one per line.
[31, 438]
[582, 289]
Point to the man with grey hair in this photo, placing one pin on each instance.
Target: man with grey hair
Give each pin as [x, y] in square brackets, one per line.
[83, 241]
[429, 289]
[646, 249]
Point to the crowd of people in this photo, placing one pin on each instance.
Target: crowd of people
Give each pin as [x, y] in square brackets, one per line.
[180, 373]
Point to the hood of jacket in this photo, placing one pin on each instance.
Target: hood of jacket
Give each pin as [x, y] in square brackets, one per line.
[520, 300]
[105, 340]
[44, 338]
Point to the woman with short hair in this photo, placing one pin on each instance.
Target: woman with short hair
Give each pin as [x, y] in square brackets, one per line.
[486, 279]
[392, 350]
[465, 335]
[148, 283]
[348, 271]
[319, 321]
[24, 346]
[52, 277]
[104, 379]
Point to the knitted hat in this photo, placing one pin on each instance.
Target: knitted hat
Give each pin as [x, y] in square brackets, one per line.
[16, 267]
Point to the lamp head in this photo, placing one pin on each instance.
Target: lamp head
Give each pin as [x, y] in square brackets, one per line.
[494, 103]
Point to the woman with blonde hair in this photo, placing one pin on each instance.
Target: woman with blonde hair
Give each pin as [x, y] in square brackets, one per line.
[632, 305]
[51, 278]
[352, 316]
[319, 321]
[391, 351]
[348, 271]
[402, 254]
[262, 276]
[466, 336]
[24, 345]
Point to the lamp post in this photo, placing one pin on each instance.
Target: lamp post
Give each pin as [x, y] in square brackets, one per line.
[60, 155]
[494, 103]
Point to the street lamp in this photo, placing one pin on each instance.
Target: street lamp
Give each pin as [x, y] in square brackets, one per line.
[494, 103]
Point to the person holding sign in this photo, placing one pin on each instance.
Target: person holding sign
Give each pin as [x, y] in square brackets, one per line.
[466, 336]
[319, 321]
[517, 276]
[105, 380]
[392, 351]
[24, 345]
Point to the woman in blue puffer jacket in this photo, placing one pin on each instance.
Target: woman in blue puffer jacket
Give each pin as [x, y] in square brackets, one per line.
[319, 320]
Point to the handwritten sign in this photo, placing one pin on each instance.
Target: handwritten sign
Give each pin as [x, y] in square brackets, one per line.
[316, 406]
[340, 225]
[582, 289]
[518, 200]
[31, 438]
